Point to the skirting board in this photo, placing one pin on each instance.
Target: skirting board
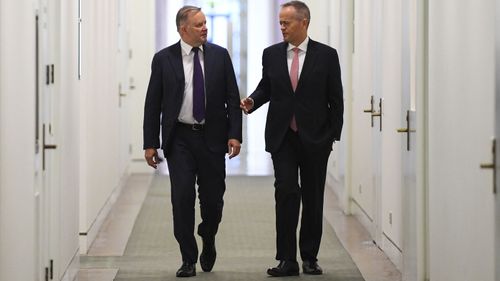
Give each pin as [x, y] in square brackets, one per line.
[140, 166]
[71, 271]
[392, 252]
[362, 217]
[86, 239]
[388, 247]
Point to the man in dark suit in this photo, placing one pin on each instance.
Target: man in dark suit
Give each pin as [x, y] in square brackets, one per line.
[301, 81]
[193, 91]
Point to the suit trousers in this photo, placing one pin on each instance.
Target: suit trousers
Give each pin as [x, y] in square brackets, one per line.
[191, 162]
[294, 161]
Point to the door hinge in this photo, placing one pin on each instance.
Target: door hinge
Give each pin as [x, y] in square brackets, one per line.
[51, 269]
[52, 73]
[46, 274]
[47, 74]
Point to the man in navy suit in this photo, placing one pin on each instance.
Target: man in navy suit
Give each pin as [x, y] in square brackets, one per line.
[193, 97]
[302, 83]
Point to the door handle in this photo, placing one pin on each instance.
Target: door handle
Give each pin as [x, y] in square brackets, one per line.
[121, 95]
[407, 130]
[371, 107]
[131, 83]
[45, 147]
[492, 165]
[120, 92]
[378, 114]
[371, 110]
[487, 166]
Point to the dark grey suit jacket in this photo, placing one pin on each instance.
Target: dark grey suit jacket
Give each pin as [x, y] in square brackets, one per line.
[317, 102]
[166, 90]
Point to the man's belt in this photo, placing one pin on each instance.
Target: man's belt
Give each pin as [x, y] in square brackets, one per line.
[193, 127]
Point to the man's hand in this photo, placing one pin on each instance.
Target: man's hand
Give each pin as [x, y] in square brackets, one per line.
[152, 157]
[233, 147]
[246, 104]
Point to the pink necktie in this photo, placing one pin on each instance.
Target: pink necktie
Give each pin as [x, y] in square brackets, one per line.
[294, 77]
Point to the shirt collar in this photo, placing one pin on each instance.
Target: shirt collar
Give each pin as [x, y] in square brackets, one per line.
[302, 46]
[186, 48]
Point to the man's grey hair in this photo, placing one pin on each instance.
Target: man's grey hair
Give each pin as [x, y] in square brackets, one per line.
[183, 14]
[301, 8]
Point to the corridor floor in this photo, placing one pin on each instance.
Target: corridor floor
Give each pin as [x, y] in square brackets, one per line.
[136, 241]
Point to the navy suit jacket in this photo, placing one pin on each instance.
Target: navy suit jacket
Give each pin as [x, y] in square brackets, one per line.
[166, 90]
[317, 102]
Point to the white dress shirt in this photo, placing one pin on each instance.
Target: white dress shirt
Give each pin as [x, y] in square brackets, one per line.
[302, 54]
[186, 113]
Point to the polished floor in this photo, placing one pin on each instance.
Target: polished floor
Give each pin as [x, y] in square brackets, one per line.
[136, 240]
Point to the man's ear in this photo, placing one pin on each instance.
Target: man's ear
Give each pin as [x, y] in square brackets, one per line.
[305, 22]
[182, 29]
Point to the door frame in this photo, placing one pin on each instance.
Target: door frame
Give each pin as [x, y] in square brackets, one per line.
[362, 180]
[47, 187]
[497, 142]
[415, 175]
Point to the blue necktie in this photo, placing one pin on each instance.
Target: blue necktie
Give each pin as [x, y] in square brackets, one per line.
[198, 89]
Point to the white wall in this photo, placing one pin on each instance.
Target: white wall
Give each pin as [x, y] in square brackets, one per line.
[342, 34]
[99, 113]
[331, 24]
[497, 134]
[141, 21]
[261, 29]
[171, 29]
[69, 138]
[17, 135]
[320, 19]
[461, 124]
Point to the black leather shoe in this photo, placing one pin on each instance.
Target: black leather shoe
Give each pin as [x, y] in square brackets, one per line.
[208, 255]
[186, 270]
[284, 268]
[311, 268]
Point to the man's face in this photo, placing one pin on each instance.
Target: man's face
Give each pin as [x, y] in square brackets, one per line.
[195, 29]
[293, 28]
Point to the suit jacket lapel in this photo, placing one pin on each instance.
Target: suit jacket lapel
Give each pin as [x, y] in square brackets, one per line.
[283, 61]
[176, 61]
[208, 61]
[309, 63]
